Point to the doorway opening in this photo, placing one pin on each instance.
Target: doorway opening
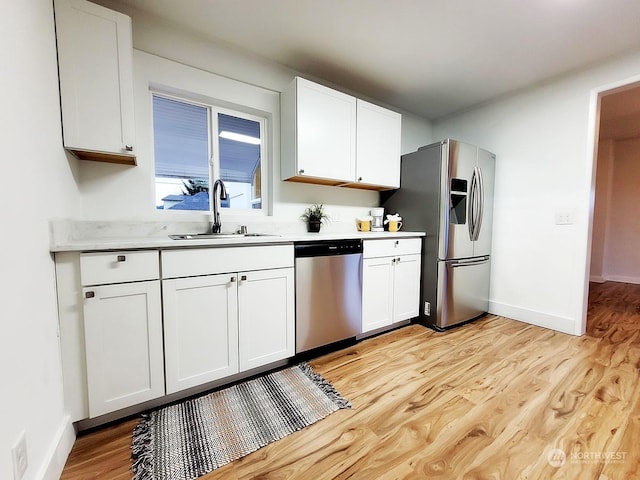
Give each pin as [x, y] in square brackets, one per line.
[613, 300]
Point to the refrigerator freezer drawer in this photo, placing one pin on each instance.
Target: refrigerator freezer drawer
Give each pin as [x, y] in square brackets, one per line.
[463, 290]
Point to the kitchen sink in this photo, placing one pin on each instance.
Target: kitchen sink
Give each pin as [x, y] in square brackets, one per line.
[205, 236]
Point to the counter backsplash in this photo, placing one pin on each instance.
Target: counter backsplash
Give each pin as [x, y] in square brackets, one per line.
[65, 231]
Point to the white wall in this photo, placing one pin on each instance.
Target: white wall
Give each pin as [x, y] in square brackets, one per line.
[103, 185]
[38, 184]
[601, 208]
[544, 150]
[623, 239]
[617, 236]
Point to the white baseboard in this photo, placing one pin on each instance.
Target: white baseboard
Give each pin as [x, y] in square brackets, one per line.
[622, 279]
[540, 319]
[597, 279]
[59, 451]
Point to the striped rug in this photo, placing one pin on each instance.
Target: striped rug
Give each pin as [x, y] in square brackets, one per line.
[190, 439]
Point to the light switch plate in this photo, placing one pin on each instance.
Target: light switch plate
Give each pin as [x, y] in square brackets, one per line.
[565, 216]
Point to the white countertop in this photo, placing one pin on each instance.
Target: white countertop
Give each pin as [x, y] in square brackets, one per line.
[98, 243]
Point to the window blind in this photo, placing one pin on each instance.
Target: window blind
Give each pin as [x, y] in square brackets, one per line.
[181, 139]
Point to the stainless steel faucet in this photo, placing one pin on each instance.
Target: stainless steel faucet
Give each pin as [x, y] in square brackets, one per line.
[215, 226]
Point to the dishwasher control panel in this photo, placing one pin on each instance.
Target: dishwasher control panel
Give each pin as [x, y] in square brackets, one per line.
[329, 247]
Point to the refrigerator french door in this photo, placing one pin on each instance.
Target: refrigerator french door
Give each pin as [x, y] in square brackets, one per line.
[446, 190]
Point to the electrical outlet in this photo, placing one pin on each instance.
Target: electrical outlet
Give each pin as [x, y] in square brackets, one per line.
[427, 309]
[20, 459]
[565, 217]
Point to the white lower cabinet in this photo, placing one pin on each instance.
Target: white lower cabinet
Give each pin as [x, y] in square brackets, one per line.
[266, 317]
[123, 341]
[377, 293]
[390, 282]
[218, 323]
[201, 330]
[406, 287]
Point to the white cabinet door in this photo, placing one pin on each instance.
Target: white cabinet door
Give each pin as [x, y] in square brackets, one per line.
[406, 287]
[266, 317]
[322, 144]
[201, 333]
[95, 59]
[377, 293]
[123, 340]
[332, 138]
[378, 141]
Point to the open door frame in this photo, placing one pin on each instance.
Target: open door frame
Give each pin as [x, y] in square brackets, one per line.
[592, 164]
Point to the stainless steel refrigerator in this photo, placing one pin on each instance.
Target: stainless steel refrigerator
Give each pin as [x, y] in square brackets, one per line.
[446, 190]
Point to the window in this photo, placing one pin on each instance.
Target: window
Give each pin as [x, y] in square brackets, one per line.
[195, 144]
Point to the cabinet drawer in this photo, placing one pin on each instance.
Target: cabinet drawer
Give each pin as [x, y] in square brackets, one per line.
[391, 247]
[118, 267]
[208, 261]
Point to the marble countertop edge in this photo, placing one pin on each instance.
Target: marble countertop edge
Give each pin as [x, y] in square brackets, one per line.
[164, 242]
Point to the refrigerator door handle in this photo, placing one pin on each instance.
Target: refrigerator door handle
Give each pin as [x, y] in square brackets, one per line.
[478, 222]
[472, 206]
[467, 261]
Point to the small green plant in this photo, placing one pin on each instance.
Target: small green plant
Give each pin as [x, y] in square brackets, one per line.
[314, 216]
[315, 213]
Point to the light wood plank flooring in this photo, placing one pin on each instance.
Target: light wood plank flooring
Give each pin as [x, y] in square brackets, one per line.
[486, 401]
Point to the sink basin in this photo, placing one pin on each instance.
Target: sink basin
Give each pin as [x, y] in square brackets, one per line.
[205, 236]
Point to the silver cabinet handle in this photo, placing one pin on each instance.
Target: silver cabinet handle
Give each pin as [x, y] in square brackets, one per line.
[233, 279]
[398, 260]
[89, 294]
[359, 179]
[300, 172]
[122, 258]
[128, 148]
[243, 277]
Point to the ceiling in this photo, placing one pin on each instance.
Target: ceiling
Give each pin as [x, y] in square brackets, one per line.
[429, 57]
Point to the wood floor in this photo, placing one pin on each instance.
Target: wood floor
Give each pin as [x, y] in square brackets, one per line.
[486, 401]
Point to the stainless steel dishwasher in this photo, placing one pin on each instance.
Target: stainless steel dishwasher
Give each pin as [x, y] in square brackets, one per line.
[328, 292]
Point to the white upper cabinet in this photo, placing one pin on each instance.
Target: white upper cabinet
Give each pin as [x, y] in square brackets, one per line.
[378, 141]
[332, 138]
[95, 59]
[319, 134]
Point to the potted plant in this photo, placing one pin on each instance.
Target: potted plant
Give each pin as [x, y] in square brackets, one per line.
[314, 216]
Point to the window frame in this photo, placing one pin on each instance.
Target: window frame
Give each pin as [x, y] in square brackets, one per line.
[214, 107]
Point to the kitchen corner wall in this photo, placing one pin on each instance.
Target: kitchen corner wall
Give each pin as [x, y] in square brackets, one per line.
[39, 184]
[544, 164]
[114, 192]
[615, 253]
